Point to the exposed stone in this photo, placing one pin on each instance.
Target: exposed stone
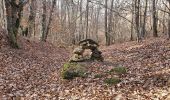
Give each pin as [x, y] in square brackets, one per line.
[76, 58]
[96, 55]
[79, 50]
[83, 45]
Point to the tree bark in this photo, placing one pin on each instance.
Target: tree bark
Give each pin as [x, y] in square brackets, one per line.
[32, 17]
[110, 24]
[87, 19]
[14, 12]
[97, 21]
[155, 32]
[50, 19]
[144, 19]
[132, 24]
[3, 15]
[169, 21]
[106, 23]
[44, 22]
[137, 20]
[80, 23]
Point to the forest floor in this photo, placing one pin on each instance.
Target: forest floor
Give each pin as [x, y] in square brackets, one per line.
[33, 72]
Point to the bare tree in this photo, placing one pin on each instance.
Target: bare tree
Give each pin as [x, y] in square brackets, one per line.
[14, 10]
[132, 19]
[106, 23]
[137, 18]
[144, 19]
[169, 21]
[3, 15]
[46, 22]
[97, 21]
[154, 13]
[87, 19]
[80, 22]
[32, 17]
[50, 19]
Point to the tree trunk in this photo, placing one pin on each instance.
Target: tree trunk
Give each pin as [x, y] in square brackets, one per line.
[87, 19]
[50, 19]
[169, 21]
[163, 22]
[97, 21]
[2, 15]
[137, 12]
[14, 12]
[32, 16]
[155, 32]
[144, 19]
[110, 24]
[106, 30]
[80, 23]
[44, 22]
[132, 24]
[10, 25]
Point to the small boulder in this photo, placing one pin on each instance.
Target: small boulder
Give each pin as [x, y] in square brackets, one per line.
[79, 50]
[96, 55]
[86, 44]
[72, 70]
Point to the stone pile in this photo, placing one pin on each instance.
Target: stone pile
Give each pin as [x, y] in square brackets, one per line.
[83, 45]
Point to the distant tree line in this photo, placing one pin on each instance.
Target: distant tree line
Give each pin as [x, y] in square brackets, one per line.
[69, 21]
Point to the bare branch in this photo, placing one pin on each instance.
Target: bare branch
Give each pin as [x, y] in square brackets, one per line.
[164, 11]
[23, 2]
[166, 5]
[97, 2]
[12, 3]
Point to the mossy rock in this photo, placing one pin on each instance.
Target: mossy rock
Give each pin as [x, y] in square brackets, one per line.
[112, 81]
[119, 70]
[72, 70]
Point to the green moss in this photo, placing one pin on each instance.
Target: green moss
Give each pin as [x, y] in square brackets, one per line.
[119, 70]
[98, 76]
[112, 81]
[72, 70]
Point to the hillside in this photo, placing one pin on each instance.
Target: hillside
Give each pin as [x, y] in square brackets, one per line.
[33, 72]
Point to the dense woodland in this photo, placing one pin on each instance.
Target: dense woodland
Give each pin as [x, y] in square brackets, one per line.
[106, 21]
[39, 37]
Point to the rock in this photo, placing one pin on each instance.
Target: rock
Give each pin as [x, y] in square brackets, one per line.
[168, 97]
[76, 58]
[85, 45]
[79, 50]
[96, 55]
[88, 42]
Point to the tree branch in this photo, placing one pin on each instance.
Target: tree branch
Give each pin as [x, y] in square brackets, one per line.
[23, 2]
[166, 5]
[12, 3]
[164, 11]
[96, 2]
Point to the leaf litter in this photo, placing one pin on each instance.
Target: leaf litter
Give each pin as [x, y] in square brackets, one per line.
[33, 72]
